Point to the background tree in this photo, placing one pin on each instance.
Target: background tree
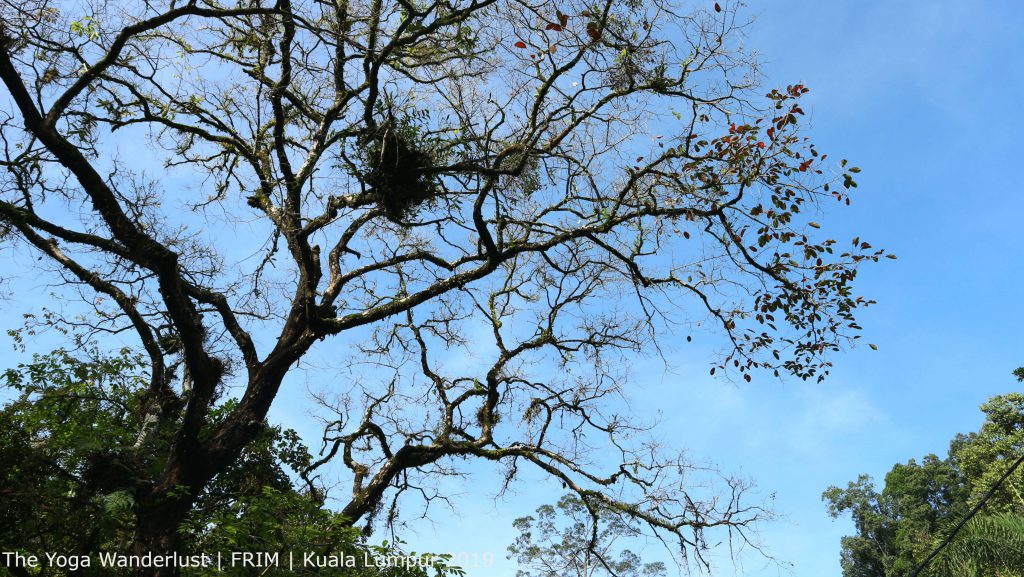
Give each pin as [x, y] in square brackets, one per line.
[234, 184]
[898, 527]
[566, 540]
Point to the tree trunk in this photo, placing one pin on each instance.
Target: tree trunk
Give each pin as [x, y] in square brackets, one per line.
[161, 511]
[156, 533]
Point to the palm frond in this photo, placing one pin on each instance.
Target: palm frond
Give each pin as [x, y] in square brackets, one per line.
[985, 545]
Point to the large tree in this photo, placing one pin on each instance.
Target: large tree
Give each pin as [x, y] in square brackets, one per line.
[548, 186]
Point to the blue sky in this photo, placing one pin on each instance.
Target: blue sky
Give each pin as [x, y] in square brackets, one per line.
[923, 96]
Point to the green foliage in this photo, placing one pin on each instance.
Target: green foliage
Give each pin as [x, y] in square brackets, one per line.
[559, 541]
[86, 27]
[71, 461]
[921, 503]
[62, 442]
[985, 455]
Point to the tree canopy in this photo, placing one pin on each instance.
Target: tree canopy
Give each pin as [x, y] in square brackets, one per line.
[548, 188]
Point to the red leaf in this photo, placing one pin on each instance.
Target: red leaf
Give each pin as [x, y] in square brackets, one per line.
[554, 27]
[760, 145]
[520, 44]
[717, 7]
[594, 33]
[563, 19]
